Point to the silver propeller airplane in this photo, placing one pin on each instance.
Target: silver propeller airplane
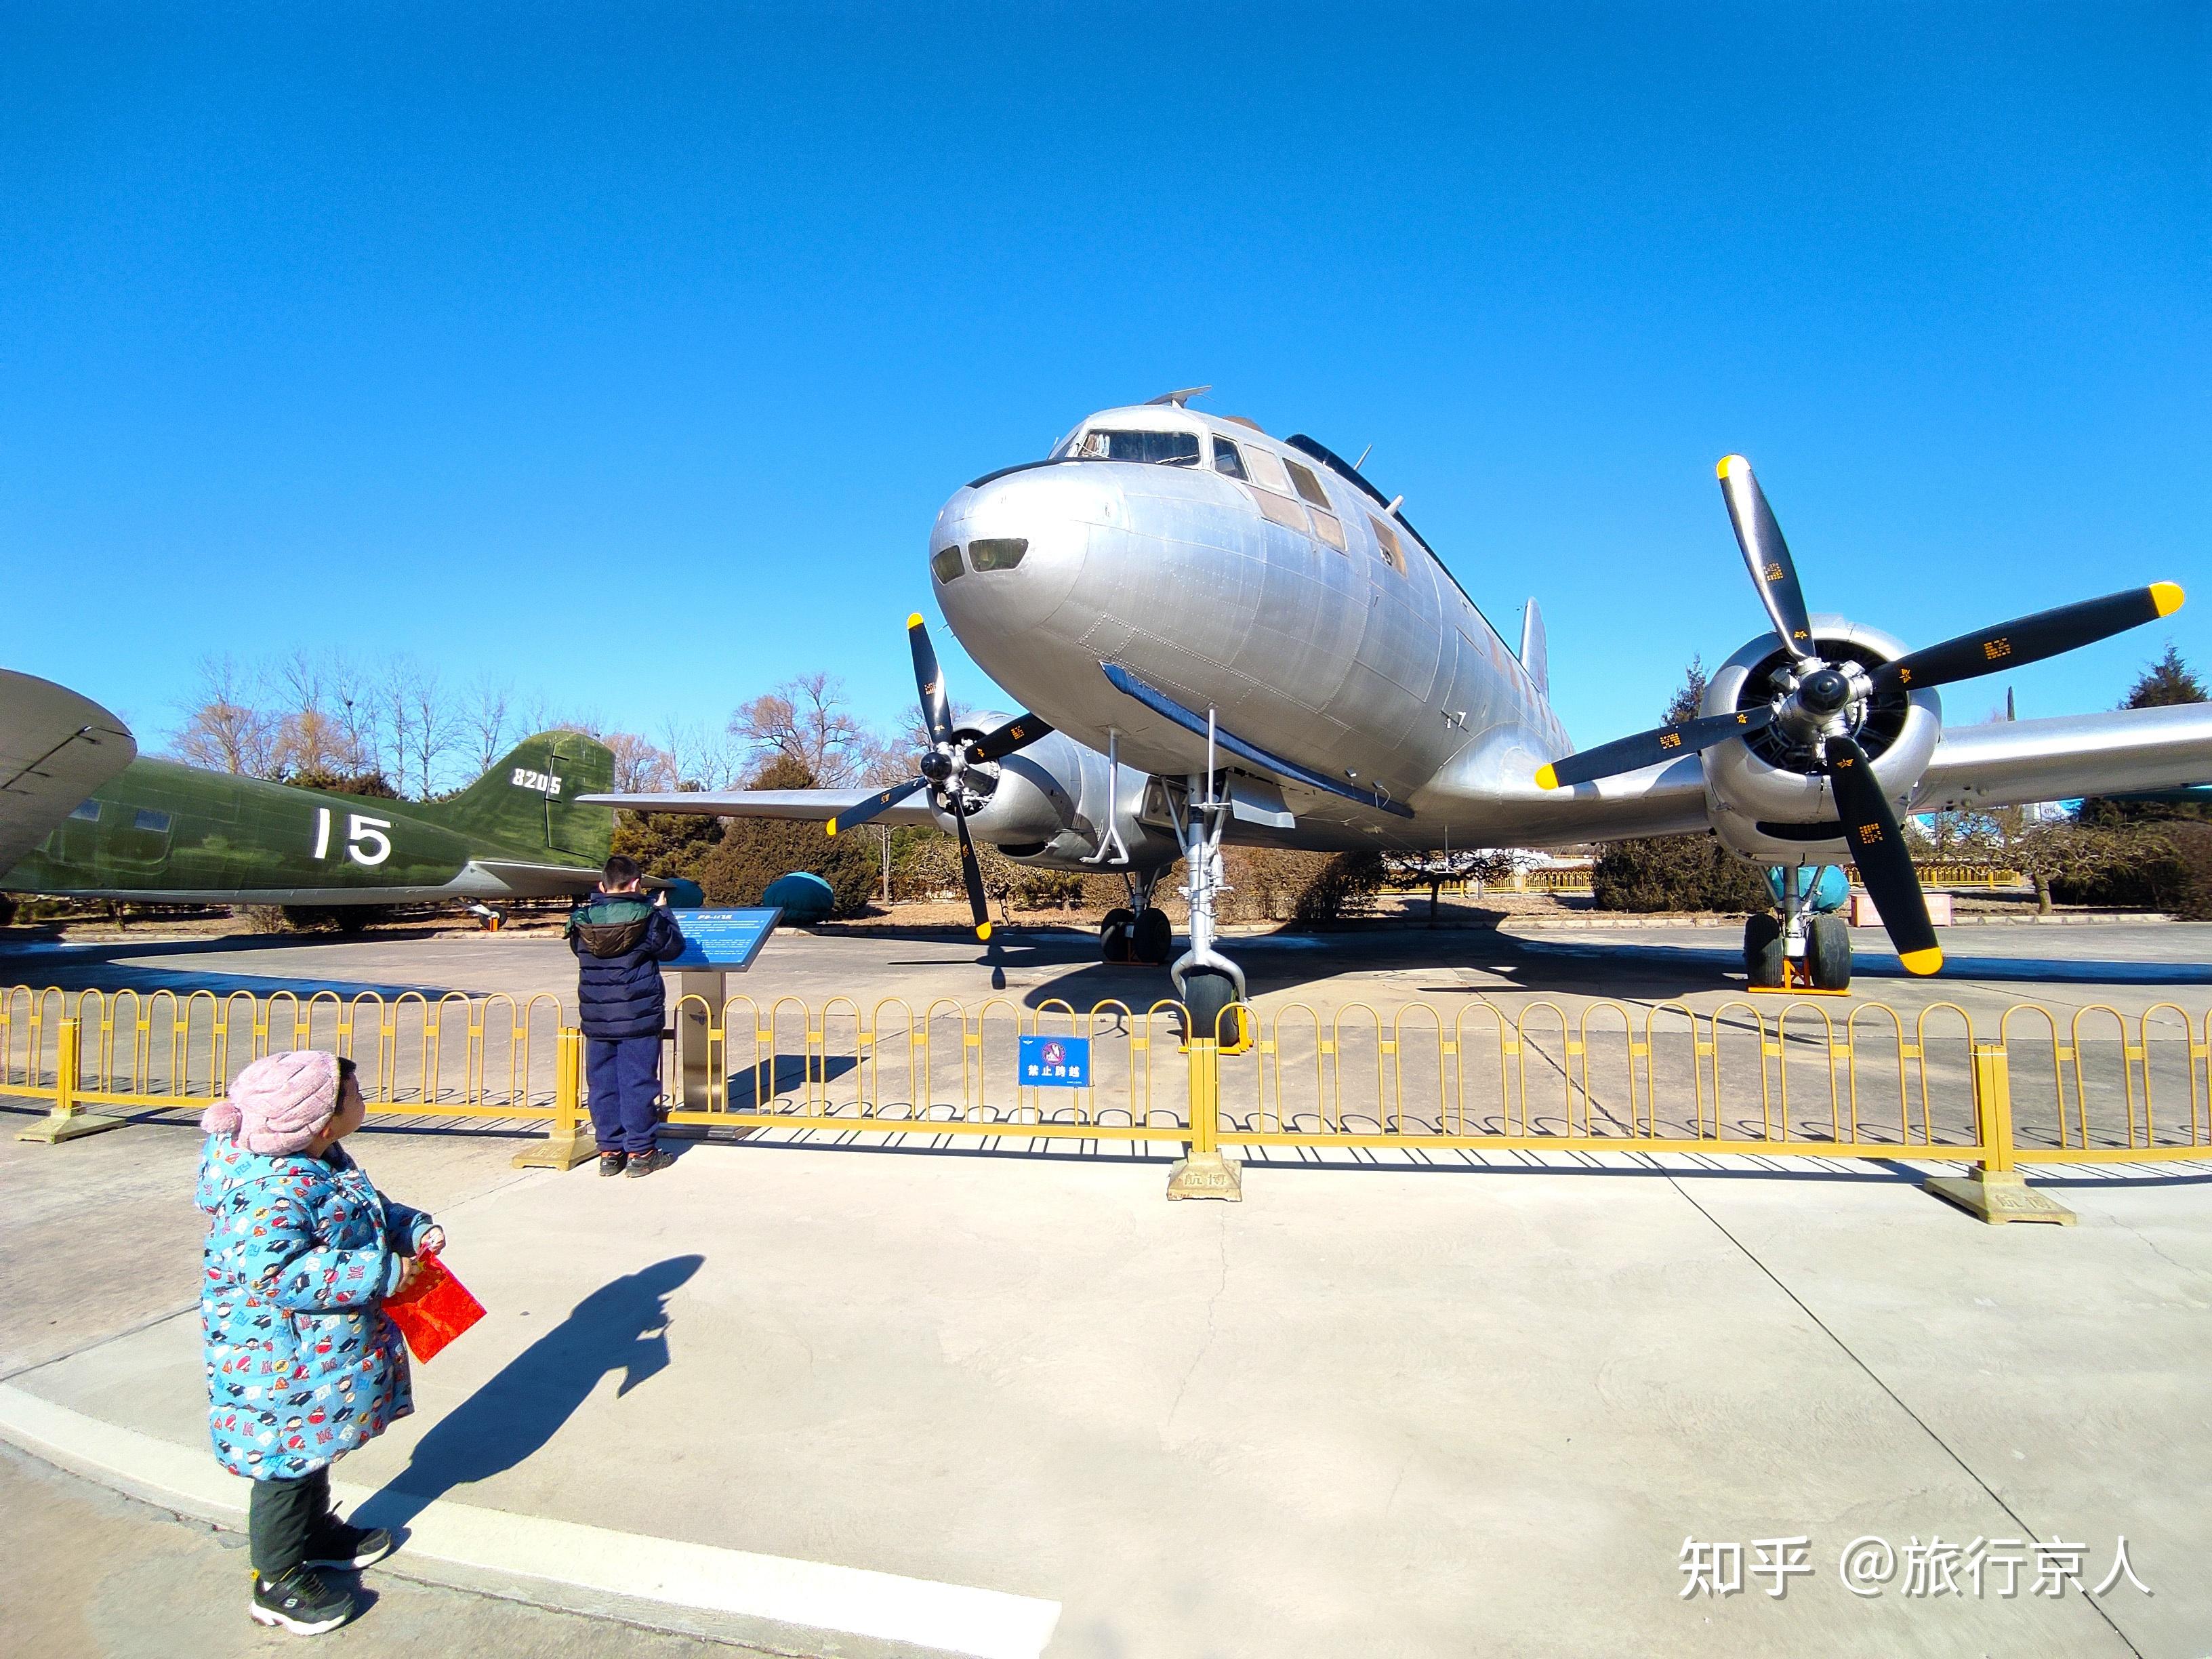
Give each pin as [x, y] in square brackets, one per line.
[1225, 636]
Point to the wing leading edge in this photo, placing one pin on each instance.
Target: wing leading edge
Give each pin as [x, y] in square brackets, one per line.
[805, 805]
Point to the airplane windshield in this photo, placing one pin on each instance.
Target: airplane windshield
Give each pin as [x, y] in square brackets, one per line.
[1156, 448]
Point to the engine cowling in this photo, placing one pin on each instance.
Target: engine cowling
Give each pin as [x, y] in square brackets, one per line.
[1767, 798]
[1050, 802]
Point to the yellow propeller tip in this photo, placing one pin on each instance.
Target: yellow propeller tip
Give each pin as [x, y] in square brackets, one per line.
[2167, 596]
[914, 621]
[1729, 463]
[1922, 962]
[984, 931]
[1546, 778]
[831, 826]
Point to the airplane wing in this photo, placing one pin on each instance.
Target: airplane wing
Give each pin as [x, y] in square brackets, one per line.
[807, 806]
[2008, 762]
[56, 748]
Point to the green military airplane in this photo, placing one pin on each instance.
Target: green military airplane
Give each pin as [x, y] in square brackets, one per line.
[80, 815]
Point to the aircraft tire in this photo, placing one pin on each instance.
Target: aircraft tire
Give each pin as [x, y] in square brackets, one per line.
[1762, 949]
[1113, 939]
[1828, 954]
[1206, 994]
[1155, 940]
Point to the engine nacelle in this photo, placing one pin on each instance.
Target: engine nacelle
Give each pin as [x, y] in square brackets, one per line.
[1767, 798]
[1050, 803]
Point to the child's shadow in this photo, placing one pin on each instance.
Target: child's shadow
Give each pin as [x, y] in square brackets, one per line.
[622, 1326]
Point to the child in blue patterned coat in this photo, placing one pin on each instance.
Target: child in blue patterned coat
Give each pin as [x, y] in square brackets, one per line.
[303, 1364]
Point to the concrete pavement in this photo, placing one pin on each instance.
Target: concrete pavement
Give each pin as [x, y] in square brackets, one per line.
[1461, 1410]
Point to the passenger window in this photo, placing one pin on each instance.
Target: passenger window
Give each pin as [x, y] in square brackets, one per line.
[1309, 487]
[1267, 470]
[945, 563]
[1386, 543]
[997, 553]
[1329, 530]
[1227, 460]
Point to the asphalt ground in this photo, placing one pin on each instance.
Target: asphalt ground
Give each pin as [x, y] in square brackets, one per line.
[1446, 1409]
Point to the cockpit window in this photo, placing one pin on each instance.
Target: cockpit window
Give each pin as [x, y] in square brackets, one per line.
[1155, 448]
[1309, 487]
[1227, 460]
[945, 563]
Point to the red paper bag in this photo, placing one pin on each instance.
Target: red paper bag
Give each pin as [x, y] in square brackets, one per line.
[433, 1310]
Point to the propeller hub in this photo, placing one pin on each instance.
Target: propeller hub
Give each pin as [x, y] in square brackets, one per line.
[936, 766]
[1824, 692]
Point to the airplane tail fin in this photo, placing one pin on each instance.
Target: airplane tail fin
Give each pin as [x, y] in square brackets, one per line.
[527, 800]
[1533, 659]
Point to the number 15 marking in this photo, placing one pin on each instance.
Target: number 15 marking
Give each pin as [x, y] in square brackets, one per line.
[366, 841]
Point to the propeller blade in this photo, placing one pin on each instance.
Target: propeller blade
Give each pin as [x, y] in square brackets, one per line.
[929, 680]
[1767, 555]
[854, 817]
[2030, 639]
[1022, 729]
[1885, 862]
[1649, 747]
[971, 870]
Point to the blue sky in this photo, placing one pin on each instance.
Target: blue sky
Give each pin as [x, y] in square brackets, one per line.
[497, 335]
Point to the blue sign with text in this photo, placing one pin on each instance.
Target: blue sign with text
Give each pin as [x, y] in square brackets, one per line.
[727, 939]
[1057, 1062]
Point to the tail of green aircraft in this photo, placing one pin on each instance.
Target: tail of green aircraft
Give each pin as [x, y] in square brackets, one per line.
[527, 801]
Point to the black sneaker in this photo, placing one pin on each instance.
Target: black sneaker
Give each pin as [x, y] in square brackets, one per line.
[644, 1164]
[611, 1164]
[300, 1601]
[348, 1549]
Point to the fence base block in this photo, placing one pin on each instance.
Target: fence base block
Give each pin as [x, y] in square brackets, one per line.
[1998, 1195]
[1206, 1175]
[558, 1151]
[57, 1127]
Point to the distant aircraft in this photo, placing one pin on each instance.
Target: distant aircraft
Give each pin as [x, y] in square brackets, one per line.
[80, 815]
[1226, 636]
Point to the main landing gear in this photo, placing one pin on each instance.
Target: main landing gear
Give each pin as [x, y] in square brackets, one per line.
[1139, 932]
[1798, 951]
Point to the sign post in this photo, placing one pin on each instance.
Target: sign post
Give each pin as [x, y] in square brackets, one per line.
[716, 944]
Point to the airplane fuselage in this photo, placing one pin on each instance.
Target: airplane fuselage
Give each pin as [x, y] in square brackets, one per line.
[1250, 578]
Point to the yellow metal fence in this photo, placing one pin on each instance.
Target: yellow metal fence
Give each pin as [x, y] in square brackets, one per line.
[1805, 1079]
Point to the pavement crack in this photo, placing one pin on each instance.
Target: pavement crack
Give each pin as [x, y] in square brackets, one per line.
[1205, 1343]
[1896, 1398]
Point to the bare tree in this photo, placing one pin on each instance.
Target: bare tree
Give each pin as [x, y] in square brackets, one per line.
[486, 719]
[806, 719]
[1476, 865]
[641, 767]
[225, 727]
[700, 756]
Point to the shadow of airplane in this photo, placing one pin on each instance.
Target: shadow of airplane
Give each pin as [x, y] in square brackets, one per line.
[622, 1326]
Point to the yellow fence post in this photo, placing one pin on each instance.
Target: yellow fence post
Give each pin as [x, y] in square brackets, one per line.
[1201, 1171]
[1996, 1192]
[569, 1141]
[65, 1122]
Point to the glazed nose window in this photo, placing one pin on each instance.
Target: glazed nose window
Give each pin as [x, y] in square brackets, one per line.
[997, 553]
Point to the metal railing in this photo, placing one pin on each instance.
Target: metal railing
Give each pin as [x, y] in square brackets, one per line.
[1806, 1079]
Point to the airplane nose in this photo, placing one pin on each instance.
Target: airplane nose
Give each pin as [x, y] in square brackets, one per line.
[1007, 551]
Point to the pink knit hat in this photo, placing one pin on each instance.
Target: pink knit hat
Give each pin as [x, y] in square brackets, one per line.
[279, 1104]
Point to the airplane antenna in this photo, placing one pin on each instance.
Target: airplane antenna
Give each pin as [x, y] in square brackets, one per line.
[1364, 454]
[1181, 396]
[2011, 711]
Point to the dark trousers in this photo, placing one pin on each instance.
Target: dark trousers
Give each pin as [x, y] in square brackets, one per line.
[623, 1077]
[282, 1516]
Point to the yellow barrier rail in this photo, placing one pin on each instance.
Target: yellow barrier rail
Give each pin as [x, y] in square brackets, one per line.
[1807, 1079]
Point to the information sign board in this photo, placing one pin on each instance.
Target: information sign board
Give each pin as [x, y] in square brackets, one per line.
[1055, 1062]
[725, 939]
